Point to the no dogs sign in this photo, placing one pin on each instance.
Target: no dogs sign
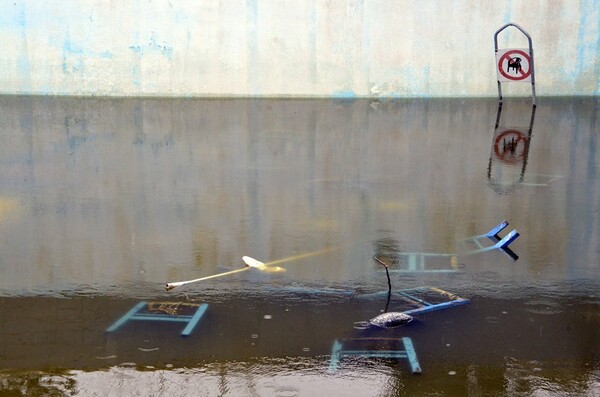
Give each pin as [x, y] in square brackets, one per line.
[513, 65]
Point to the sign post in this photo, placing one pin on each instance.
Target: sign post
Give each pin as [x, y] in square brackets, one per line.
[514, 64]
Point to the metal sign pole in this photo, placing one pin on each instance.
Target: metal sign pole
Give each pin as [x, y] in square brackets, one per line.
[531, 68]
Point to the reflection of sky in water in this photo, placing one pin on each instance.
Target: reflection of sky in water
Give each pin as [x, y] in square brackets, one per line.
[121, 195]
[299, 378]
[264, 379]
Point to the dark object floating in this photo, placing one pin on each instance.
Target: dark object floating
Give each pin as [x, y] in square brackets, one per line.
[391, 320]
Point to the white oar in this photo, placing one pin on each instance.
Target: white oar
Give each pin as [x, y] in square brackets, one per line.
[250, 262]
[265, 267]
[253, 262]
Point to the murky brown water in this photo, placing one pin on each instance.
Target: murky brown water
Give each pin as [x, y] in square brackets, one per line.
[104, 201]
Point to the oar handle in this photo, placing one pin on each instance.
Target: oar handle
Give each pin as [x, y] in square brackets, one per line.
[170, 286]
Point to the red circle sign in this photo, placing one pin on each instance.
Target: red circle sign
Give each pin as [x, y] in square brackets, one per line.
[506, 146]
[514, 62]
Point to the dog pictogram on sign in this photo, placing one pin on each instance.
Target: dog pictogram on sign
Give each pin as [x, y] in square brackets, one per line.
[513, 65]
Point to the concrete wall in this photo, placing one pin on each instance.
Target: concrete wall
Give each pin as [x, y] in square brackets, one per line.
[343, 48]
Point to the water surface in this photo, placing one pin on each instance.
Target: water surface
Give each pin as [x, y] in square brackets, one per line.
[103, 201]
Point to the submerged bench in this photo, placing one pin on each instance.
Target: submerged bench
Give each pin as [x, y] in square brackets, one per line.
[407, 352]
[189, 313]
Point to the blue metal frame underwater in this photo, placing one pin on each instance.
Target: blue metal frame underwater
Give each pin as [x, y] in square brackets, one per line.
[501, 243]
[422, 303]
[413, 296]
[136, 314]
[338, 352]
[417, 262]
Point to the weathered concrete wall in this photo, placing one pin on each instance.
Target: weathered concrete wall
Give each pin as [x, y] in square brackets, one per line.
[340, 48]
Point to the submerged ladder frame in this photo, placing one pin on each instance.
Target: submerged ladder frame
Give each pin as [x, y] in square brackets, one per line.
[500, 243]
[422, 306]
[338, 352]
[417, 261]
[135, 315]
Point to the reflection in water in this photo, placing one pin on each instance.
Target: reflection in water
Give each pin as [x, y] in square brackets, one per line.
[263, 378]
[126, 194]
[387, 249]
[104, 200]
[510, 150]
[299, 377]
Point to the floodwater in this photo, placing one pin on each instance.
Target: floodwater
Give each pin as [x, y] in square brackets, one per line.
[103, 201]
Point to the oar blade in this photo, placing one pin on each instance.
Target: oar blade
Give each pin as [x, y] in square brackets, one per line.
[253, 262]
[273, 269]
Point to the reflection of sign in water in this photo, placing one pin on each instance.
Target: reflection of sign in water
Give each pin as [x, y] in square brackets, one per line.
[513, 65]
[510, 146]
